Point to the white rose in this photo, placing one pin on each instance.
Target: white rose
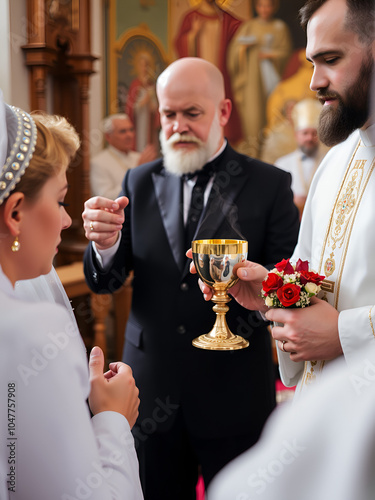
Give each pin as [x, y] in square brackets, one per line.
[312, 288]
[268, 301]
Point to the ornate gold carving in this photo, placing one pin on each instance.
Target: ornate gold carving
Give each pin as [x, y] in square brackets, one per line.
[65, 12]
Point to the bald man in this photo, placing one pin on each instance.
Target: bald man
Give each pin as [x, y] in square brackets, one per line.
[199, 408]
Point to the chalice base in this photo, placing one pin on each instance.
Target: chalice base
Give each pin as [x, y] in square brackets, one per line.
[212, 343]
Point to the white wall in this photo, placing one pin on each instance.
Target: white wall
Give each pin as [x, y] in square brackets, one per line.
[14, 74]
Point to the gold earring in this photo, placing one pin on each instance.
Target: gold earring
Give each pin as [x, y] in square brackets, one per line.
[16, 245]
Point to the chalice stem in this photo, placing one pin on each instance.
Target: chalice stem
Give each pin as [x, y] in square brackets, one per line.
[221, 329]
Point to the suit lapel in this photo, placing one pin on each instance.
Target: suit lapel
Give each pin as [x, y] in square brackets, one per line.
[169, 199]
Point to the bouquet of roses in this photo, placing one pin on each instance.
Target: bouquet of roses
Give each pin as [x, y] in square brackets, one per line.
[291, 286]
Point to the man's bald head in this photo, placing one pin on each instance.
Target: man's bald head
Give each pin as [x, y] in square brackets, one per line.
[195, 74]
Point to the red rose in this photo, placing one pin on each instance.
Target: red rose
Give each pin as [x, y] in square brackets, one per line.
[272, 283]
[285, 266]
[288, 294]
[302, 265]
[309, 276]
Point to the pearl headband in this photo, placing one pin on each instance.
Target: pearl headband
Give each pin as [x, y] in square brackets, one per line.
[21, 131]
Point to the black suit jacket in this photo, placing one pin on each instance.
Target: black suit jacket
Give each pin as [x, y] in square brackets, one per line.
[220, 393]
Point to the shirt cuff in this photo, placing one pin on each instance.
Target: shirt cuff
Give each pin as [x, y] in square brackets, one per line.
[105, 257]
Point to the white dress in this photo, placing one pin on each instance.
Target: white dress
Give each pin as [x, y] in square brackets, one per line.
[50, 448]
[337, 237]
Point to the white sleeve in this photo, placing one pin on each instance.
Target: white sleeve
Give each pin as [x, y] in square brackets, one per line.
[356, 331]
[72, 455]
[105, 257]
[290, 371]
[112, 432]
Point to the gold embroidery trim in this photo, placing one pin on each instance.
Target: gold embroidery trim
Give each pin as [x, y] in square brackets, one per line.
[309, 376]
[334, 206]
[350, 222]
[371, 323]
[344, 213]
[303, 379]
[350, 226]
[328, 286]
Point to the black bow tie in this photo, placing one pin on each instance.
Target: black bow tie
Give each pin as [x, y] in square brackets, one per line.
[207, 171]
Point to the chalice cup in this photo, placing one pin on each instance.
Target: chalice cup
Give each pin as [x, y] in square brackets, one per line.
[214, 261]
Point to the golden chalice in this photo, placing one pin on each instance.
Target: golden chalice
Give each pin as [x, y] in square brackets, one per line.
[214, 261]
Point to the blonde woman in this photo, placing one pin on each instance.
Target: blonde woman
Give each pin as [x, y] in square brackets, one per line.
[50, 447]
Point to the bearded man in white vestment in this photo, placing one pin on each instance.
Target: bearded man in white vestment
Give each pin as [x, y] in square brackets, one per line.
[337, 234]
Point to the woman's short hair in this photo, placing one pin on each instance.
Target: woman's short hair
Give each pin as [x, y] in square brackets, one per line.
[56, 145]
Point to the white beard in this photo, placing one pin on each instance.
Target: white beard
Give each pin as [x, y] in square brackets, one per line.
[179, 162]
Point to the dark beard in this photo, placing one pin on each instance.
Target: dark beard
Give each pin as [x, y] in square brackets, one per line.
[335, 125]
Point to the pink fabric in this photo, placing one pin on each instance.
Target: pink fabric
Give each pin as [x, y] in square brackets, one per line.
[200, 489]
[281, 387]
